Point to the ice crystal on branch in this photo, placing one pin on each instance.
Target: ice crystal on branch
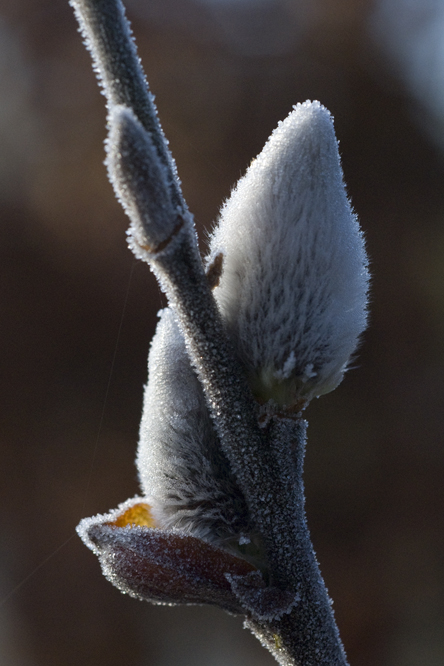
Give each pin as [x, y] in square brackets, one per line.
[293, 287]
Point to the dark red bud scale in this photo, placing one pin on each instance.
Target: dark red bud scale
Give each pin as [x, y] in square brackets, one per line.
[162, 566]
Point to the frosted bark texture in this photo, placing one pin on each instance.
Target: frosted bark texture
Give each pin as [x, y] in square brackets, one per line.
[183, 471]
[294, 281]
[109, 39]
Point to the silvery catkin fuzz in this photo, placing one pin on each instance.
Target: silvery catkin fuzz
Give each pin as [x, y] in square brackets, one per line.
[184, 474]
[294, 280]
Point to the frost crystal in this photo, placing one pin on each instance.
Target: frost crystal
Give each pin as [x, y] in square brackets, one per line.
[294, 280]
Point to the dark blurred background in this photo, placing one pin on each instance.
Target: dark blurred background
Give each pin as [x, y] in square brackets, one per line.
[78, 312]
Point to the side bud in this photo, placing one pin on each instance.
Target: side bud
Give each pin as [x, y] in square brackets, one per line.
[141, 183]
[293, 278]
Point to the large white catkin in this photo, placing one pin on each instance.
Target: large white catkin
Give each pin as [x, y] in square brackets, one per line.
[293, 289]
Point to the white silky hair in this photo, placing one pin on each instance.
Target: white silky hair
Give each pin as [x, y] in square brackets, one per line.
[294, 282]
[184, 474]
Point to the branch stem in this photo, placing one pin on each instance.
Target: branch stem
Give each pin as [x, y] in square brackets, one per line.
[108, 37]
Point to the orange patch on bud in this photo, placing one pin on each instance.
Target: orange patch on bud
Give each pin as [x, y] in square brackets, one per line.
[138, 514]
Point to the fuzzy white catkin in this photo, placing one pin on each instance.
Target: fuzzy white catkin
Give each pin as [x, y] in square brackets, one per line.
[183, 472]
[294, 282]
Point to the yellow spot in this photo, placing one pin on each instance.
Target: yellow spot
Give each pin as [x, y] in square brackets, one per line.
[138, 514]
[277, 641]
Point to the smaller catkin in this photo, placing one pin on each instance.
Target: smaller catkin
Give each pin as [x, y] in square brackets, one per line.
[184, 474]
